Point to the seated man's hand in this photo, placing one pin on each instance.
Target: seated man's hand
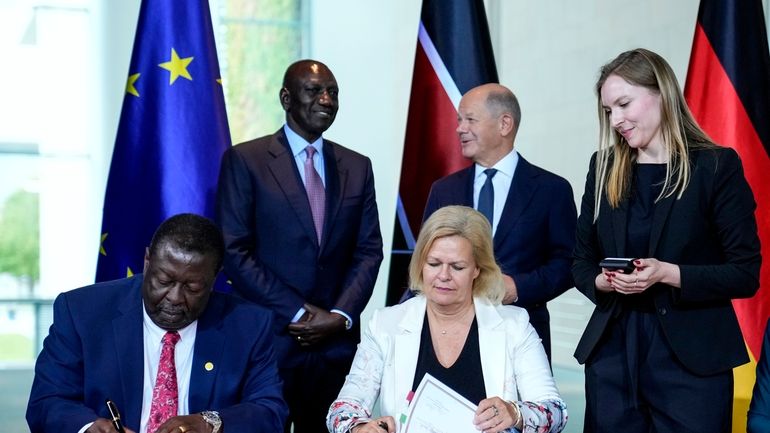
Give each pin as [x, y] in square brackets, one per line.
[193, 423]
[316, 325]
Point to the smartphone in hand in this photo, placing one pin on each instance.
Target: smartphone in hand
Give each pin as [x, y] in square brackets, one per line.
[619, 264]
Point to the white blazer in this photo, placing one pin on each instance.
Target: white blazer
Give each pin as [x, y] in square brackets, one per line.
[513, 361]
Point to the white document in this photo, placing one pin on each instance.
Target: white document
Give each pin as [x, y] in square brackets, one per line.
[436, 408]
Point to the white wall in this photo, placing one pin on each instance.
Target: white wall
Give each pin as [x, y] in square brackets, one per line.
[549, 54]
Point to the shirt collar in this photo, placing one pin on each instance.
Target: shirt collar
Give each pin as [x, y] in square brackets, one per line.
[298, 144]
[506, 166]
[156, 333]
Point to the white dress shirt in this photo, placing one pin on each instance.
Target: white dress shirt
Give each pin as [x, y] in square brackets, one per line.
[183, 357]
[506, 167]
[298, 145]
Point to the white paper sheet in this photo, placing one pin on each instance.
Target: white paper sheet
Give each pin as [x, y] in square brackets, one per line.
[436, 408]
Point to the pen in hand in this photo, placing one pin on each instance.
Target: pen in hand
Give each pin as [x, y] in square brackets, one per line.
[115, 415]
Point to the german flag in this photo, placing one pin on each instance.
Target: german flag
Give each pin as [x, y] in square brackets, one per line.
[728, 91]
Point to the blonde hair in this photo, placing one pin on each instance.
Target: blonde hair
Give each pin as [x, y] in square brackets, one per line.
[469, 224]
[615, 159]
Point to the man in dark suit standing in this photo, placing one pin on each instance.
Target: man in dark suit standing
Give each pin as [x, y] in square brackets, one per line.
[171, 354]
[303, 238]
[532, 211]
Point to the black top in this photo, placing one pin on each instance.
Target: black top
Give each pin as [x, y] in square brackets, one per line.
[646, 185]
[464, 376]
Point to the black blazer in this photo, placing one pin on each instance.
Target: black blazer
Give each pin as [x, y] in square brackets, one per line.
[711, 233]
[534, 238]
[272, 253]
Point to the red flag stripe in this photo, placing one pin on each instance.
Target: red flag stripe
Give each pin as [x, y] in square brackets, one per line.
[438, 66]
[719, 110]
[431, 148]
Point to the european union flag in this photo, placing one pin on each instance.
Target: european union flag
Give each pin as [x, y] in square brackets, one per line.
[172, 133]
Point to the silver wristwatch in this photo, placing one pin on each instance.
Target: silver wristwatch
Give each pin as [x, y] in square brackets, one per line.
[213, 418]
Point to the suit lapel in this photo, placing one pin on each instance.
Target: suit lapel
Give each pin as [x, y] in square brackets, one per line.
[207, 355]
[284, 170]
[520, 194]
[129, 337]
[467, 179]
[336, 180]
[407, 348]
[492, 342]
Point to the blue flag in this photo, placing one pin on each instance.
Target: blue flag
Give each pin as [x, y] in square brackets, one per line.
[172, 133]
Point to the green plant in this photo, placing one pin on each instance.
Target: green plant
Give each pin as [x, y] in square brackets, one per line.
[20, 237]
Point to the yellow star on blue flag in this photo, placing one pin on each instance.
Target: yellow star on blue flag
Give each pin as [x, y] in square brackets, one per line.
[177, 67]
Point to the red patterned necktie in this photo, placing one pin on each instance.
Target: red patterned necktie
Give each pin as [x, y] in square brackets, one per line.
[165, 395]
[315, 192]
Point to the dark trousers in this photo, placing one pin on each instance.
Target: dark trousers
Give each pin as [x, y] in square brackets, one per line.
[309, 389]
[635, 384]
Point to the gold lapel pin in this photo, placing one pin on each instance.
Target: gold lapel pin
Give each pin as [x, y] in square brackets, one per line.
[209, 366]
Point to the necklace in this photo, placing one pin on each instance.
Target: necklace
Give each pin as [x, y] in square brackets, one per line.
[457, 323]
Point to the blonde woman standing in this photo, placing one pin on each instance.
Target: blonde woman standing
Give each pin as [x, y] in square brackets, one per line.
[661, 344]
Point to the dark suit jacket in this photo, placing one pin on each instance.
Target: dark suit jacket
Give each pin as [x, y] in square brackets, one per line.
[759, 411]
[273, 257]
[711, 233]
[534, 238]
[95, 351]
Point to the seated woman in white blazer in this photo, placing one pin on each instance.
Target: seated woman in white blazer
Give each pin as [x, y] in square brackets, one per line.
[456, 330]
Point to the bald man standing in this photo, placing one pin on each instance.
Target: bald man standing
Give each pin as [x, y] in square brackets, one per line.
[301, 228]
[532, 211]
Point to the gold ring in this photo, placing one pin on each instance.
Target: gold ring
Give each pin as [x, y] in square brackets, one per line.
[181, 428]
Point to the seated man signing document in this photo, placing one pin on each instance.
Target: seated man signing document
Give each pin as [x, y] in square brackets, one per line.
[170, 353]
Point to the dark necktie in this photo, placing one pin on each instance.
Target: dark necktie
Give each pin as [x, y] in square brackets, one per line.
[165, 395]
[315, 192]
[487, 196]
